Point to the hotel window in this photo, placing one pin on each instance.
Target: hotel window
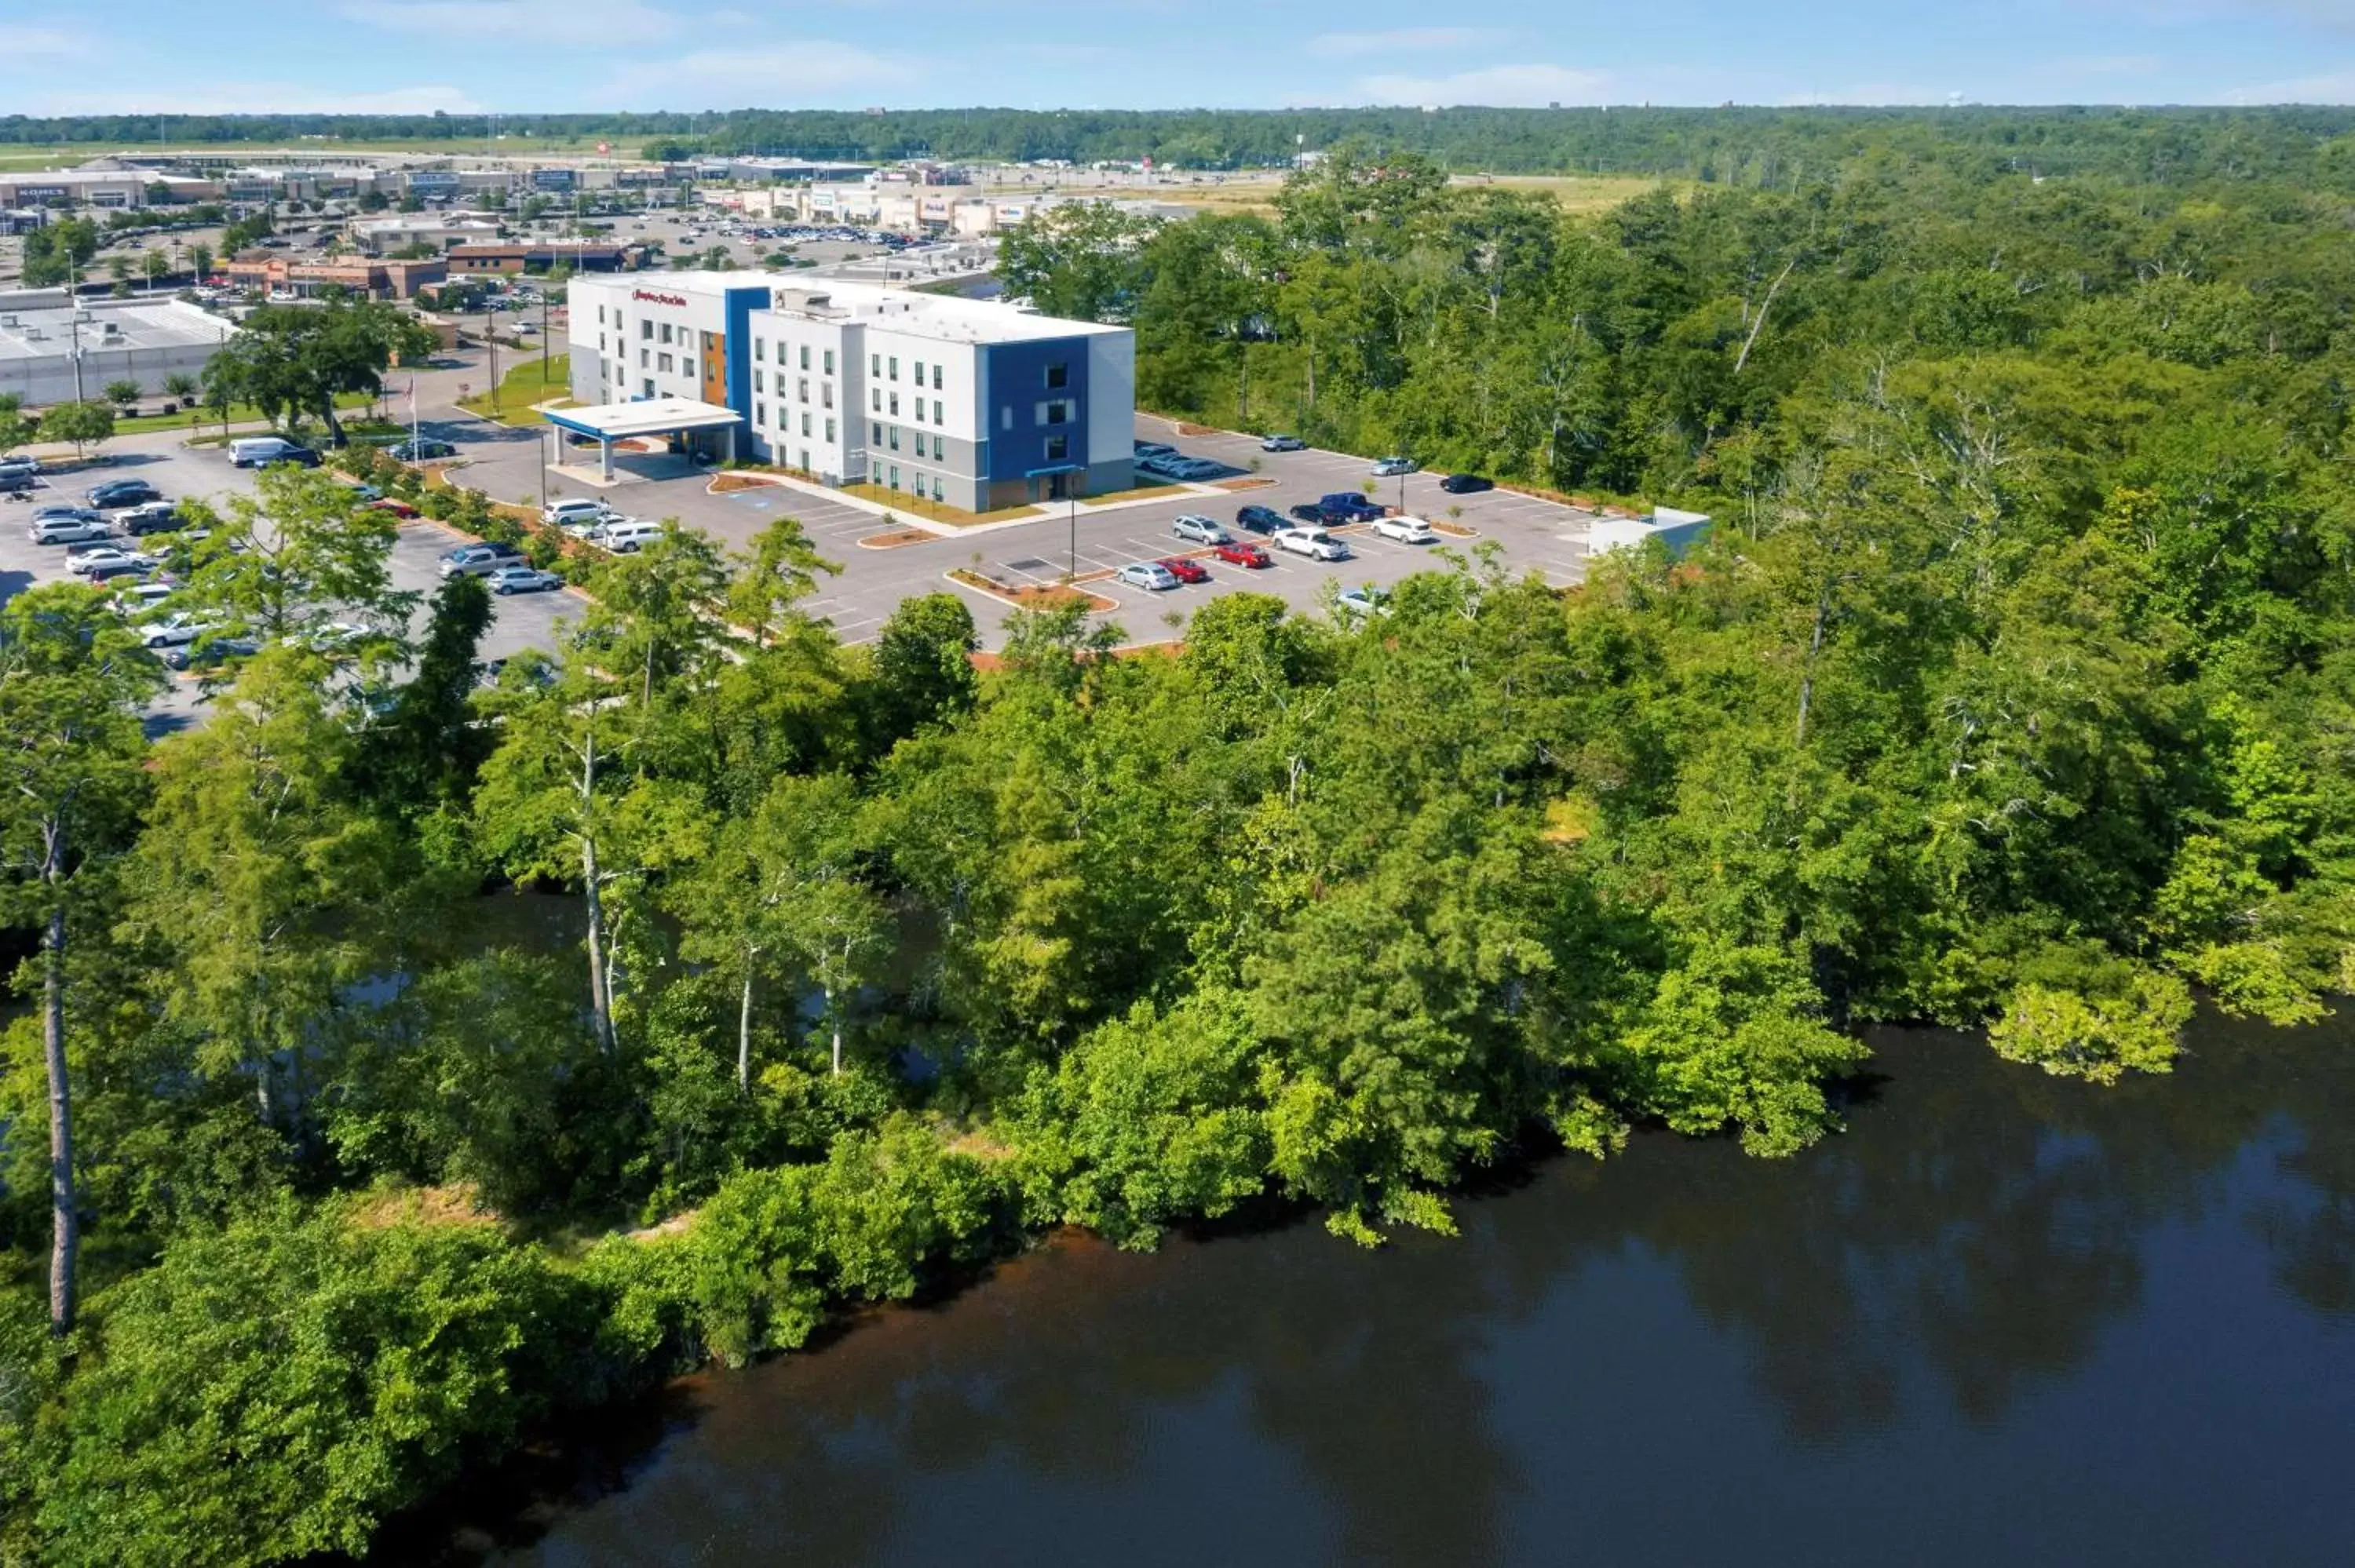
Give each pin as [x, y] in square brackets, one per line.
[895, 476]
[806, 357]
[601, 315]
[645, 328]
[645, 358]
[756, 381]
[895, 438]
[936, 377]
[1057, 412]
[829, 430]
[666, 332]
[895, 404]
[827, 394]
[936, 413]
[650, 386]
[920, 372]
[895, 367]
[829, 361]
[760, 413]
[1057, 448]
[803, 464]
[875, 399]
[874, 364]
[805, 422]
[1058, 376]
[938, 494]
[874, 435]
[801, 390]
[663, 363]
[760, 348]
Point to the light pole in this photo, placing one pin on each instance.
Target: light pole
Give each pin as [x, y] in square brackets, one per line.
[490, 338]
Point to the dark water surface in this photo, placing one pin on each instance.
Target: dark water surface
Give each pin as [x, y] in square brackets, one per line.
[2004, 1320]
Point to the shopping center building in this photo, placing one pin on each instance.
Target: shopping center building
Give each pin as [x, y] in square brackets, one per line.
[972, 403]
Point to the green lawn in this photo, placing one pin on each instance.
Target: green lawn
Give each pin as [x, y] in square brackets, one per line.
[533, 381]
[199, 418]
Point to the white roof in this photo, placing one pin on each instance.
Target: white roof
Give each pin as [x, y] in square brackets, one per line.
[647, 417]
[945, 317]
[33, 327]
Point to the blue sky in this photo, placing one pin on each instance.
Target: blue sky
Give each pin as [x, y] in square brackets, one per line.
[468, 56]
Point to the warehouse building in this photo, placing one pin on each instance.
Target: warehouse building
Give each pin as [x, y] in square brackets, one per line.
[44, 337]
[972, 403]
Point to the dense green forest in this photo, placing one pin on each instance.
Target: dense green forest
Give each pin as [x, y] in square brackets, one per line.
[1778, 147]
[443, 1057]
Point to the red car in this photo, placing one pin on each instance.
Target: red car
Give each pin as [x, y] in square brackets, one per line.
[398, 508]
[1184, 570]
[1241, 555]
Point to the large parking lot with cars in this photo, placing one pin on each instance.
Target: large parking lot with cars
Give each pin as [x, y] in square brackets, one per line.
[1095, 541]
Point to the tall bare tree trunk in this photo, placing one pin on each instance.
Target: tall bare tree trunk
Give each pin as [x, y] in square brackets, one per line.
[836, 1018]
[744, 1034]
[1807, 676]
[600, 998]
[65, 1220]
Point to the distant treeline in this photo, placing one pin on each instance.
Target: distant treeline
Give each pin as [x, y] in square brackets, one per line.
[1730, 145]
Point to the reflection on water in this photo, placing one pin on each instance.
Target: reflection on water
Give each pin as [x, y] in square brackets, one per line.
[2005, 1318]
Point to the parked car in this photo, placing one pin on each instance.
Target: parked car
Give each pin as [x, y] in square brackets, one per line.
[1466, 483]
[173, 631]
[1155, 449]
[1365, 600]
[1243, 555]
[1151, 575]
[478, 560]
[1314, 542]
[1347, 506]
[1159, 466]
[73, 528]
[117, 493]
[256, 451]
[1201, 530]
[1406, 530]
[400, 508]
[1306, 512]
[88, 558]
[1258, 519]
[627, 535]
[1184, 570]
[522, 579]
[421, 451]
[19, 481]
[115, 570]
[1282, 444]
[560, 513]
[364, 492]
[19, 464]
[1391, 467]
[154, 517]
[132, 597]
[65, 509]
[1192, 469]
[203, 655]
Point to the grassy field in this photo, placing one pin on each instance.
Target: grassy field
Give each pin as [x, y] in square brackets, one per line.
[533, 381]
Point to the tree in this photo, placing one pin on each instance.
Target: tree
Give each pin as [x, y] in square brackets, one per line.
[182, 389]
[292, 362]
[79, 425]
[779, 571]
[56, 253]
[73, 679]
[922, 668]
[16, 429]
[123, 395]
[299, 554]
[200, 262]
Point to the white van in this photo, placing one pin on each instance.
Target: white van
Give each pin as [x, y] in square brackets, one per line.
[574, 511]
[627, 535]
[255, 451]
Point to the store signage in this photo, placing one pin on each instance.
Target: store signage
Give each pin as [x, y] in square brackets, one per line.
[651, 298]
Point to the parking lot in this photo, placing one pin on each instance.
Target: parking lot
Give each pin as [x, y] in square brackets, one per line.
[1528, 534]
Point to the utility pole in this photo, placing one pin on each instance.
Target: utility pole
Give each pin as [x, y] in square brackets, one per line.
[73, 319]
[490, 337]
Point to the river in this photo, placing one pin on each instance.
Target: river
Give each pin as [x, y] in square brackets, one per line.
[2002, 1319]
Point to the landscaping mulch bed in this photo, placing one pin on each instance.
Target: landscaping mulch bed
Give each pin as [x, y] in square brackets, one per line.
[1031, 596]
[894, 539]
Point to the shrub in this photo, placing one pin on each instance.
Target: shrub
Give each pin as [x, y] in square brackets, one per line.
[2098, 1035]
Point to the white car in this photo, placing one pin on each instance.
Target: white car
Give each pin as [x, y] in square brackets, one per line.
[1151, 575]
[132, 597]
[1406, 530]
[90, 558]
[1201, 530]
[174, 631]
[1365, 600]
[565, 513]
[626, 535]
[1314, 542]
[68, 530]
[522, 579]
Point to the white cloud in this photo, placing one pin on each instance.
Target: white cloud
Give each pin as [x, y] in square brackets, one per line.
[44, 43]
[243, 97]
[815, 73]
[1401, 40]
[1499, 87]
[2331, 87]
[565, 24]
